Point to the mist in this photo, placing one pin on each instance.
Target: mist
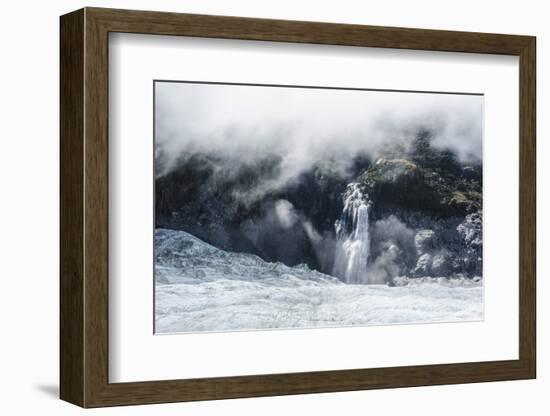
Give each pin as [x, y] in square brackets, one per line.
[392, 247]
[242, 126]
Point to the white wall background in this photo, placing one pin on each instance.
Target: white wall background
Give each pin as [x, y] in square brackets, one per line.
[29, 206]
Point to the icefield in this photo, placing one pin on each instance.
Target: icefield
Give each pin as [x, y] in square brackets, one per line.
[199, 287]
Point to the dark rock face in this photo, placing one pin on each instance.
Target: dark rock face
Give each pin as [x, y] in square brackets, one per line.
[425, 210]
[471, 232]
[438, 201]
[294, 224]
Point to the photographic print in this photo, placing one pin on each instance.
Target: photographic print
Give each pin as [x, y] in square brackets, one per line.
[280, 207]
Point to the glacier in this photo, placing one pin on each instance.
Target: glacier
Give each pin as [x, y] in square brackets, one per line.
[199, 287]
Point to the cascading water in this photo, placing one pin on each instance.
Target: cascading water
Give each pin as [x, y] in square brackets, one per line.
[352, 233]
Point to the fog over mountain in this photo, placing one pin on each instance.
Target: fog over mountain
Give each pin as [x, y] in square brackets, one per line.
[298, 128]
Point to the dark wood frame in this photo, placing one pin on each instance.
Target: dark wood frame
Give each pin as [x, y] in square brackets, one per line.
[84, 209]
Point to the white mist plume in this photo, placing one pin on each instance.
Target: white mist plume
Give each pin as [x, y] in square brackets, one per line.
[286, 213]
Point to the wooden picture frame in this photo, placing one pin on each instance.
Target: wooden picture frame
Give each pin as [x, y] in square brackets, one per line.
[84, 207]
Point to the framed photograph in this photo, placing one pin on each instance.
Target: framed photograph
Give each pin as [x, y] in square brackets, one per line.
[255, 207]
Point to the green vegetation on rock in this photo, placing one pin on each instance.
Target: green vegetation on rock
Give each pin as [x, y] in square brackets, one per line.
[424, 179]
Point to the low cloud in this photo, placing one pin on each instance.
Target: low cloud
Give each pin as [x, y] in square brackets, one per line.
[243, 126]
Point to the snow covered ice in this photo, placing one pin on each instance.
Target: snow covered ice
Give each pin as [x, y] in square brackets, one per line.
[202, 288]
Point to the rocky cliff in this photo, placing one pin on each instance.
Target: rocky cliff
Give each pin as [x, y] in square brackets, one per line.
[424, 211]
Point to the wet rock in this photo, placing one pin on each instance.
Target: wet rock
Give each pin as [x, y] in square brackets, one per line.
[440, 265]
[471, 232]
[423, 265]
[424, 241]
[390, 170]
[469, 172]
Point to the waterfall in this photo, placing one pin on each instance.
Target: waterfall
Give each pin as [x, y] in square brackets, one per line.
[352, 233]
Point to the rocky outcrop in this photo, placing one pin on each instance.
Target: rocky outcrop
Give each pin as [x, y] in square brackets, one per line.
[439, 201]
[471, 232]
[399, 184]
[425, 211]
[424, 241]
[216, 207]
